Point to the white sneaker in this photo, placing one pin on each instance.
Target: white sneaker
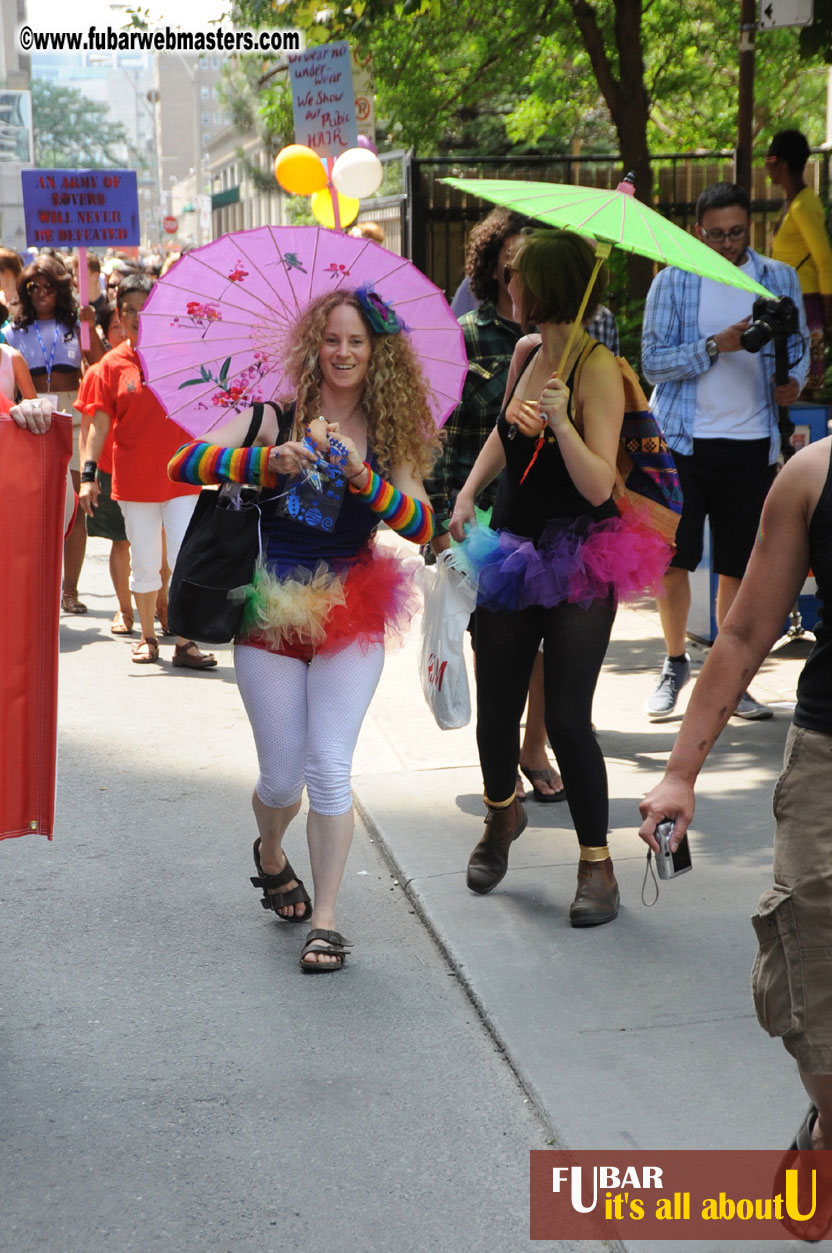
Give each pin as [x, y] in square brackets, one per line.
[751, 709]
[675, 675]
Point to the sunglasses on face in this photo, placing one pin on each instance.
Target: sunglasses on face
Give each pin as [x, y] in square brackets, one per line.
[44, 289]
[719, 237]
[508, 270]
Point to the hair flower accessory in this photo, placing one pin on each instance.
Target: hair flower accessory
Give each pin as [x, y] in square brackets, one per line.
[381, 316]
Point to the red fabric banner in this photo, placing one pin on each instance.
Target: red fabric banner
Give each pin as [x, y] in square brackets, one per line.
[32, 505]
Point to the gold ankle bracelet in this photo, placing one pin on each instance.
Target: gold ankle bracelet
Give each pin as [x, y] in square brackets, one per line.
[599, 853]
[498, 804]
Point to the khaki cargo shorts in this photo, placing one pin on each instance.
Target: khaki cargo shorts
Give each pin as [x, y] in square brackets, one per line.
[792, 976]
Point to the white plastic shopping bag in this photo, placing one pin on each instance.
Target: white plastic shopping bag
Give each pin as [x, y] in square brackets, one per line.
[450, 597]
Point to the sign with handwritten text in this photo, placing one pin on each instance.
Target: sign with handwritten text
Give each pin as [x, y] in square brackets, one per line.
[323, 104]
[80, 208]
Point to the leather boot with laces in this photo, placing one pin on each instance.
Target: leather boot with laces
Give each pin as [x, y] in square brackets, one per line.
[488, 863]
[596, 900]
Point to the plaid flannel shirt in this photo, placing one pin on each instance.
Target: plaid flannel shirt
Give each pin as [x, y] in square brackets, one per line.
[673, 352]
[490, 343]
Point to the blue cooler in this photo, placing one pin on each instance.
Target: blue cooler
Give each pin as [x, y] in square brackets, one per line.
[811, 423]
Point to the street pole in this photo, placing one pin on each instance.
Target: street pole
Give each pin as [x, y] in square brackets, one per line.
[745, 105]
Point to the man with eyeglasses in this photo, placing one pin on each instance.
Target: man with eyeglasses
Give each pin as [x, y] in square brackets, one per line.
[717, 405]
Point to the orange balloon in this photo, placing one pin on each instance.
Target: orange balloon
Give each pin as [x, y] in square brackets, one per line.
[299, 170]
[348, 208]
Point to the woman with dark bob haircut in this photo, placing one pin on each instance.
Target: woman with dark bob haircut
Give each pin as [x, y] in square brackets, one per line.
[559, 559]
[801, 241]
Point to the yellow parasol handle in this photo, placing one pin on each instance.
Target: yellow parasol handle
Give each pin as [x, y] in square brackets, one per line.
[602, 252]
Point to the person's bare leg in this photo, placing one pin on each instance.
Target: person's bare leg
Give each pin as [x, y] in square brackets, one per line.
[75, 546]
[726, 594]
[329, 841]
[819, 1088]
[674, 608]
[272, 825]
[146, 605]
[533, 755]
[162, 594]
[120, 574]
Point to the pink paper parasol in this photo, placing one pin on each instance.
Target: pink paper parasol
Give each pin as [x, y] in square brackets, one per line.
[213, 333]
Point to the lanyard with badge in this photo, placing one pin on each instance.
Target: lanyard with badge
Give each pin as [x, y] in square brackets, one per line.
[48, 361]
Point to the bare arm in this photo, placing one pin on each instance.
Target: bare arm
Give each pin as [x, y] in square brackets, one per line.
[405, 478]
[488, 465]
[777, 569]
[96, 349]
[22, 377]
[232, 433]
[89, 493]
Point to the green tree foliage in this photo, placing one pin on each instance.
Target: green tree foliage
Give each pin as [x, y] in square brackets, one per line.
[632, 75]
[73, 131]
[816, 40]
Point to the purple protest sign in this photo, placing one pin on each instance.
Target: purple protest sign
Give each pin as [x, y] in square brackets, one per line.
[80, 208]
[323, 104]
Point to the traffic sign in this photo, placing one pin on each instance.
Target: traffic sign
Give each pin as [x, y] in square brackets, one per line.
[785, 13]
[171, 225]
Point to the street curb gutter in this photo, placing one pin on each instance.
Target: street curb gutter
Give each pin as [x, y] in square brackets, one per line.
[617, 1246]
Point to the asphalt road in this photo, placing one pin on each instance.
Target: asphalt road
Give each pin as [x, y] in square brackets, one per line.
[171, 1080]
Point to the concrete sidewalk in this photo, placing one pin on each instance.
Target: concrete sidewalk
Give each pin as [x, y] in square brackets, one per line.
[639, 1034]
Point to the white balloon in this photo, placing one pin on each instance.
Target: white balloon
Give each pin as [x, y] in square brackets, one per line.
[357, 172]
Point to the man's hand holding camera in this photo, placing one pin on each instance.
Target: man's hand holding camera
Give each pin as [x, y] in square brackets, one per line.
[729, 339]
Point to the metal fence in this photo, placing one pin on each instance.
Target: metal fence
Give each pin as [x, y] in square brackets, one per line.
[390, 212]
[440, 217]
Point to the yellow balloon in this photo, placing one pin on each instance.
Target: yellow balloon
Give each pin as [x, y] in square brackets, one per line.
[348, 208]
[299, 170]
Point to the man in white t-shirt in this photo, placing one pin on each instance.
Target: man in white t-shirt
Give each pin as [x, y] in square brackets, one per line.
[717, 405]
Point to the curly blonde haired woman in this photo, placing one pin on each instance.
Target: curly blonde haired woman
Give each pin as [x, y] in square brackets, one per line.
[311, 652]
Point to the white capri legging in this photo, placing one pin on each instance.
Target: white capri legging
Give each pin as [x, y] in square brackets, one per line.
[306, 718]
[143, 521]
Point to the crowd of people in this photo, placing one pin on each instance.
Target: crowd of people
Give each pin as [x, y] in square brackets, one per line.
[522, 482]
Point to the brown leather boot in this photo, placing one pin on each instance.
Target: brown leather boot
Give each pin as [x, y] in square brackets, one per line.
[596, 899]
[488, 863]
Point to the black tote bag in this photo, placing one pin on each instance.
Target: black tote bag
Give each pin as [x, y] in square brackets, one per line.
[218, 554]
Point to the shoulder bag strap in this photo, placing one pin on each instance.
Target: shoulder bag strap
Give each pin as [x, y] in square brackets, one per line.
[533, 351]
[254, 426]
[284, 422]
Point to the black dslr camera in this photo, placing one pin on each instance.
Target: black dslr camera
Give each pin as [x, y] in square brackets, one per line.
[775, 320]
[770, 320]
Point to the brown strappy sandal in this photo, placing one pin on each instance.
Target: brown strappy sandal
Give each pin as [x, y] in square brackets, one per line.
[275, 899]
[328, 943]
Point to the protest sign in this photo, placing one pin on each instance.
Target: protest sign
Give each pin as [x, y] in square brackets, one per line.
[80, 208]
[323, 104]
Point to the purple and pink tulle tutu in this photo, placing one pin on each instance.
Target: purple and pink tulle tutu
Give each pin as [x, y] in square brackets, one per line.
[575, 561]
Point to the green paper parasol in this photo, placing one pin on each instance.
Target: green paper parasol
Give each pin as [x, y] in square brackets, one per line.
[614, 216]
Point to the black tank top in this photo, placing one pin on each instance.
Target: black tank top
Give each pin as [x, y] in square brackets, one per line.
[548, 493]
[814, 687]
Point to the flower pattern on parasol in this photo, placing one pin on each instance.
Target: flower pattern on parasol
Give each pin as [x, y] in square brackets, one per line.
[213, 332]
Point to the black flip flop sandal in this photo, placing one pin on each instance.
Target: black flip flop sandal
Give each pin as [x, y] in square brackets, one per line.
[545, 798]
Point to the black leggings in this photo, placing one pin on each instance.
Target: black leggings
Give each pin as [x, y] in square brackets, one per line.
[575, 642]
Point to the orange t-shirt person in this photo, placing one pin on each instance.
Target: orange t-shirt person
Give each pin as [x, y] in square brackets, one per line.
[144, 439]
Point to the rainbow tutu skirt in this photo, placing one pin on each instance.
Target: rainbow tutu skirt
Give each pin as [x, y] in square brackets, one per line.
[324, 608]
[576, 561]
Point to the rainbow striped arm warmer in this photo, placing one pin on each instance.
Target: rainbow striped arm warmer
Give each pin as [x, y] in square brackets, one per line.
[411, 518]
[202, 463]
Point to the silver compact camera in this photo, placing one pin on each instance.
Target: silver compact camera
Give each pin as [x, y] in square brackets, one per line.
[668, 864]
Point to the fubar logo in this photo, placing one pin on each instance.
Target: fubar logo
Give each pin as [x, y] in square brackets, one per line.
[681, 1195]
